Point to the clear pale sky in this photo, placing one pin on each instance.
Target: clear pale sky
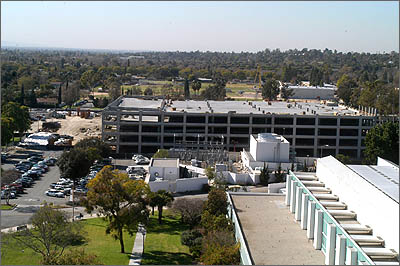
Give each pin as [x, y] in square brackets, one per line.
[205, 26]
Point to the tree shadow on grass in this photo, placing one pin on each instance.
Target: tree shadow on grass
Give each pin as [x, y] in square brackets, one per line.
[167, 227]
[166, 258]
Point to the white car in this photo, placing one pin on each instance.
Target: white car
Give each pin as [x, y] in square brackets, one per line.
[51, 193]
[60, 194]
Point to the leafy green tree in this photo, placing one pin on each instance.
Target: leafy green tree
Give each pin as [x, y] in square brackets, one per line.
[19, 115]
[286, 93]
[121, 200]
[345, 86]
[196, 86]
[210, 173]
[189, 209]
[192, 239]
[89, 79]
[50, 235]
[343, 158]
[161, 153]
[161, 199]
[270, 89]
[279, 174]
[217, 202]
[148, 92]
[264, 175]
[383, 141]
[186, 89]
[103, 148]
[216, 91]
[6, 130]
[220, 248]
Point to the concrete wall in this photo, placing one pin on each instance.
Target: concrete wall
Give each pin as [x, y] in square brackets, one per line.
[269, 151]
[373, 208]
[159, 185]
[169, 173]
[274, 188]
[190, 184]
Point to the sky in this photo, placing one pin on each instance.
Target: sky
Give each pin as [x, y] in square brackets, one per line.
[205, 26]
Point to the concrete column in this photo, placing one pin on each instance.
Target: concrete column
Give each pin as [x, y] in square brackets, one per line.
[340, 250]
[337, 136]
[161, 134]
[292, 196]
[140, 132]
[272, 123]
[304, 210]
[316, 137]
[330, 244]
[318, 229]
[351, 256]
[294, 132]
[299, 193]
[359, 136]
[288, 191]
[310, 219]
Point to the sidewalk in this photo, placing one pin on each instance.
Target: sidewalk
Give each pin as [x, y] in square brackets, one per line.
[137, 250]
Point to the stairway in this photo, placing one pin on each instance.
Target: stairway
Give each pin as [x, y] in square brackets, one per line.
[373, 246]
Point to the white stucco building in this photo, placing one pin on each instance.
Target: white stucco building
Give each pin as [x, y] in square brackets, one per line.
[165, 174]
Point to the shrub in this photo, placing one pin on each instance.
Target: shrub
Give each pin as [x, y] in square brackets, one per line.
[77, 257]
[219, 248]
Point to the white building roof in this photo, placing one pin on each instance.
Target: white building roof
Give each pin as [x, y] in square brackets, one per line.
[385, 178]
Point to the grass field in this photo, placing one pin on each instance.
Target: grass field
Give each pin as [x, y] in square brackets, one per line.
[104, 246]
[163, 242]
[5, 207]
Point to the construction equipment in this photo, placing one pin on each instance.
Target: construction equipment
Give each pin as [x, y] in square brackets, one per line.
[258, 77]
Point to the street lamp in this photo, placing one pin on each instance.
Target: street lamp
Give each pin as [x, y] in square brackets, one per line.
[322, 147]
[143, 231]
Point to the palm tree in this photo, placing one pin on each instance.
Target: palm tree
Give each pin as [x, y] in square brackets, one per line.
[160, 199]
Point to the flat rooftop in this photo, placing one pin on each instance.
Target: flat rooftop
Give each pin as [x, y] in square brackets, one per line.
[385, 178]
[240, 107]
[273, 237]
[160, 162]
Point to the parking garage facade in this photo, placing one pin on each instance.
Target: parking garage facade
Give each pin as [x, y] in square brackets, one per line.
[150, 125]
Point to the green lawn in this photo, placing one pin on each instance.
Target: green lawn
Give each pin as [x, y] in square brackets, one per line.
[7, 207]
[163, 242]
[104, 246]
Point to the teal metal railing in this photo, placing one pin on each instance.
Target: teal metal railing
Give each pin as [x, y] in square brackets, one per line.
[328, 219]
[245, 257]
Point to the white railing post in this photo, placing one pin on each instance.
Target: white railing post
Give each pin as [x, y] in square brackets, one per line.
[351, 256]
[288, 190]
[297, 214]
[310, 219]
[304, 210]
[330, 244]
[340, 250]
[318, 229]
[292, 196]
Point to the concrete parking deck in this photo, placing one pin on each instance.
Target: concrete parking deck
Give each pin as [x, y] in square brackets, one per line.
[273, 237]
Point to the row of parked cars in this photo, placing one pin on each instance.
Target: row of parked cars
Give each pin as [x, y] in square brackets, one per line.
[31, 170]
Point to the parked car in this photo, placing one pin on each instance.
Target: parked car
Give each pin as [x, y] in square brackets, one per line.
[51, 193]
[34, 159]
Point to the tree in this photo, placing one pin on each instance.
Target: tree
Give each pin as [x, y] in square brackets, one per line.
[6, 130]
[19, 115]
[216, 91]
[210, 173]
[196, 86]
[270, 89]
[32, 101]
[152, 202]
[345, 87]
[161, 153]
[148, 91]
[192, 239]
[382, 140]
[115, 90]
[264, 175]
[187, 90]
[189, 209]
[162, 198]
[22, 95]
[217, 202]
[220, 248]
[343, 158]
[75, 164]
[286, 93]
[89, 79]
[279, 174]
[102, 148]
[121, 200]
[50, 235]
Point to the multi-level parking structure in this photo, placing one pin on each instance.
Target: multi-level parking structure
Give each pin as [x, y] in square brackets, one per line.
[143, 125]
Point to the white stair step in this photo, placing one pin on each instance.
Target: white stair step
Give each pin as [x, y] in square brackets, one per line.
[334, 205]
[386, 262]
[313, 184]
[342, 213]
[319, 189]
[380, 252]
[368, 239]
[357, 228]
[307, 177]
[326, 196]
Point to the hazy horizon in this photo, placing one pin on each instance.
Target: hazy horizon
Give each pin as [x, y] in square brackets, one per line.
[202, 26]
